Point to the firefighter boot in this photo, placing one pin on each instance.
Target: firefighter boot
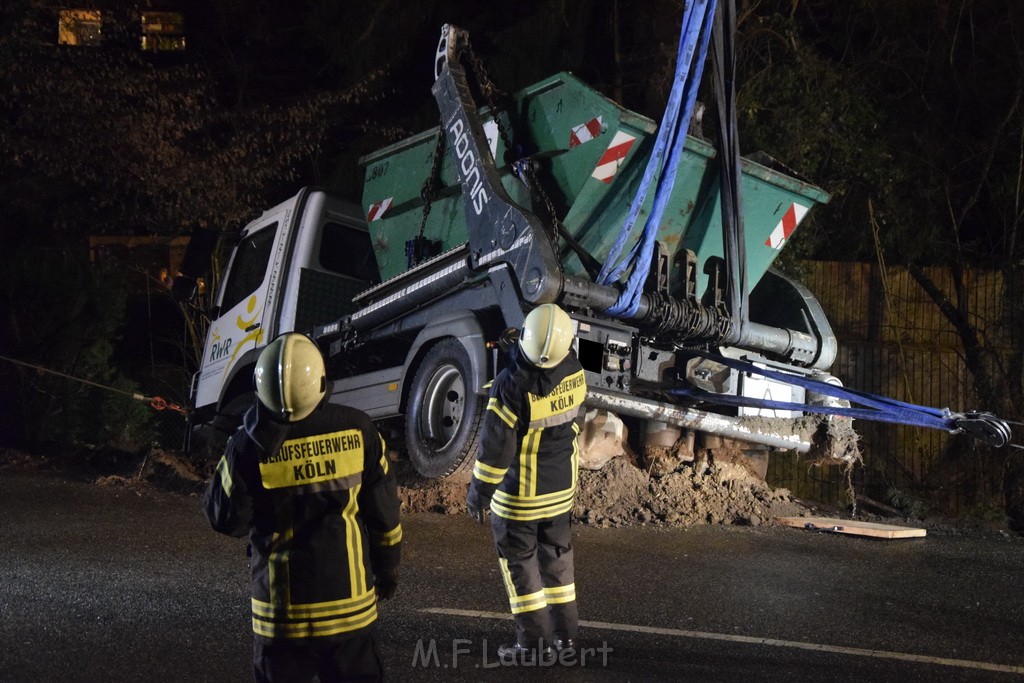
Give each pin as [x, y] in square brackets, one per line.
[539, 654]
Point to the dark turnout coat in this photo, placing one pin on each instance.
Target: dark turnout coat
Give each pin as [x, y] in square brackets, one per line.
[529, 454]
[319, 502]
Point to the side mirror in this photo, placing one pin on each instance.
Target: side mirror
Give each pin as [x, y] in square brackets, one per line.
[183, 288]
[195, 264]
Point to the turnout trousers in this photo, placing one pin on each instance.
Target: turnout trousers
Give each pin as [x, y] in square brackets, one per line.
[537, 568]
[356, 658]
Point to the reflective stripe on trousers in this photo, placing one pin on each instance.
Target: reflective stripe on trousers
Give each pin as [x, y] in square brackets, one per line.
[536, 561]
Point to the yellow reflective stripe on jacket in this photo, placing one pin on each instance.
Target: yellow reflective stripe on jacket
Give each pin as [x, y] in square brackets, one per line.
[534, 501]
[528, 463]
[575, 459]
[383, 454]
[393, 537]
[560, 594]
[311, 629]
[532, 515]
[333, 608]
[314, 459]
[488, 474]
[278, 576]
[503, 412]
[561, 404]
[354, 544]
[224, 470]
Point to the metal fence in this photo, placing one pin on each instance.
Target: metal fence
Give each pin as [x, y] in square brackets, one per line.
[895, 341]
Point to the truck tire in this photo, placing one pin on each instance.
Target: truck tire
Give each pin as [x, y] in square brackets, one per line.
[443, 417]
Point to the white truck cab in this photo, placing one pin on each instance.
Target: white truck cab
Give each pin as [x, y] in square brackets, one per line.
[296, 266]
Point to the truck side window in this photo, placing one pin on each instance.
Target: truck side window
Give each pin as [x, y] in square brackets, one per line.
[347, 251]
[250, 266]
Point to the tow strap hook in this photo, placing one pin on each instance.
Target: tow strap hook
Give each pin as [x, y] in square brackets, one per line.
[985, 427]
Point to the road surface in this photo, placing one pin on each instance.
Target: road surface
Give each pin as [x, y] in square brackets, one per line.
[102, 583]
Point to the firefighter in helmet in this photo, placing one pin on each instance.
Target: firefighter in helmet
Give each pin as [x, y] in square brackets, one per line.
[526, 472]
[308, 481]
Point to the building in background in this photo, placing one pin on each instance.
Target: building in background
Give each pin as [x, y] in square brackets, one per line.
[79, 27]
[163, 32]
[158, 31]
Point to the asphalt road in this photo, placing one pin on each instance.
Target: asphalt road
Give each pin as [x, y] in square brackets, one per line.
[102, 584]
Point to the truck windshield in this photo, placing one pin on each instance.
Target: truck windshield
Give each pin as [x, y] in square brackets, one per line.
[249, 267]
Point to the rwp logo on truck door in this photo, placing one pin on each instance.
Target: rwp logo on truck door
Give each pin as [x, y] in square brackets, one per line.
[249, 327]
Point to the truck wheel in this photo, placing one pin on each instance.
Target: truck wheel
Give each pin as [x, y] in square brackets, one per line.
[443, 417]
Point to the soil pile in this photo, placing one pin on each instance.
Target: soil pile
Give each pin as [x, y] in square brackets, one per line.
[701, 492]
[446, 496]
[622, 494]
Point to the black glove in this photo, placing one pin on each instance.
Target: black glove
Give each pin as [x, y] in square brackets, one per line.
[264, 428]
[508, 338]
[386, 584]
[477, 503]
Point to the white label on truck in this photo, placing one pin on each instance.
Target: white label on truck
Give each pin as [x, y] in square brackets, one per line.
[764, 389]
[585, 132]
[491, 131]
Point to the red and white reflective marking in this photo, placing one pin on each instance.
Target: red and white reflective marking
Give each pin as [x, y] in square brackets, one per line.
[612, 158]
[786, 226]
[585, 132]
[377, 210]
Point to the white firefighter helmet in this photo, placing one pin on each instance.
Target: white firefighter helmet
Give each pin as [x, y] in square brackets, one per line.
[290, 376]
[547, 336]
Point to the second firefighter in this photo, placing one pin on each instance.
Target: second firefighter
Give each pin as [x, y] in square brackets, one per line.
[526, 473]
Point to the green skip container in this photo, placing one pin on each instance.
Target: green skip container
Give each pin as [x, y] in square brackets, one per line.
[591, 155]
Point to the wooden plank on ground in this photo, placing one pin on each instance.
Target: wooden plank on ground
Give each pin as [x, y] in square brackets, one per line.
[850, 526]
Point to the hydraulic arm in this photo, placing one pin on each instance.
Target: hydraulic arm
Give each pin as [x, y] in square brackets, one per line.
[502, 232]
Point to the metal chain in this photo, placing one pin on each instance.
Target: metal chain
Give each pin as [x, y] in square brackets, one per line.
[490, 93]
[429, 189]
[555, 228]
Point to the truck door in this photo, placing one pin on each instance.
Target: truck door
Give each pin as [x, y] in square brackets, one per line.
[333, 264]
[243, 312]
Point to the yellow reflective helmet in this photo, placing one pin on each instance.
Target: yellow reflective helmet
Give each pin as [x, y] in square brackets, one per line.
[290, 377]
[547, 336]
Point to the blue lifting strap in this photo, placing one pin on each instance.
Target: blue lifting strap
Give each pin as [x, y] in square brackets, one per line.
[693, 39]
[983, 426]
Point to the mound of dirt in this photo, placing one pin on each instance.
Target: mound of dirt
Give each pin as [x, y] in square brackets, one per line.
[621, 494]
[445, 496]
[701, 492]
[160, 469]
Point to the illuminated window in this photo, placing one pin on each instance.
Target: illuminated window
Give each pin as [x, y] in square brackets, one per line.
[79, 27]
[163, 31]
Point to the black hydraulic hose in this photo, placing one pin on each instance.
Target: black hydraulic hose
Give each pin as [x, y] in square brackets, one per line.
[733, 237]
